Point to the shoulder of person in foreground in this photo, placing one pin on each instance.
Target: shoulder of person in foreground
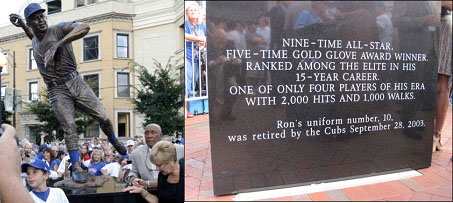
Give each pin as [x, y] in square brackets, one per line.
[139, 151]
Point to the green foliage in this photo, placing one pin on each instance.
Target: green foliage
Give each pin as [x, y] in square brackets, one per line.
[44, 113]
[159, 98]
[5, 115]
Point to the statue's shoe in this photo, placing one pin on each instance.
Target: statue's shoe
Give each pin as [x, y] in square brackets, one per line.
[79, 177]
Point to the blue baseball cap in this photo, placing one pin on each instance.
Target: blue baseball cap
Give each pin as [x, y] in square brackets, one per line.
[36, 163]
[32, 8]
[44, 146]
[124, 156]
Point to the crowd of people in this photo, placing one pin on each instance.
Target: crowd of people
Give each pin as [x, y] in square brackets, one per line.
[97, 156]
[154, 172]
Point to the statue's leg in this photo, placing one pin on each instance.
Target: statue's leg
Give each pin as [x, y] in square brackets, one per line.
[87, 102]
[63, 107]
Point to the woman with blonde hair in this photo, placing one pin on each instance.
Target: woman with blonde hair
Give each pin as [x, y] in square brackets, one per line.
[96, 163]
[195, 36]
[170, 182]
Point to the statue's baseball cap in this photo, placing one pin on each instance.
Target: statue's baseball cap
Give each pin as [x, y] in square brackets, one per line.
[36, 163]
[32, 8]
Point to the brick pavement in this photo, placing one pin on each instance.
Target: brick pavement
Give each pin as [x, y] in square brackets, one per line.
[434, 185]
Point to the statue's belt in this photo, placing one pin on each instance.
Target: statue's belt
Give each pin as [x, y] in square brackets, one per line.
[62, 80]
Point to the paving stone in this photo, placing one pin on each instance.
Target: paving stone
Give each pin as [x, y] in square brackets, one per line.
[301, 198]
[399, 198]
[319, 196]
[190, 195]
[399, 187]
[206, 193]
[283, 199]
[337, 195]
[354, 194]
[421, 196]
[440, 198]
[414, 185]
[440, 192]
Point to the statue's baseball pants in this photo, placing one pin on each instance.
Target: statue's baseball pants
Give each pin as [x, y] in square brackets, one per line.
[75, 92]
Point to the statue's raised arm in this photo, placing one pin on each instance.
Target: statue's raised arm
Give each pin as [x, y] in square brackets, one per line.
[17, 21]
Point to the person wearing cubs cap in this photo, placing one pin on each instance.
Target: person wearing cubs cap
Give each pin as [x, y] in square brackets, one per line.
[37, 175]
[52, 49]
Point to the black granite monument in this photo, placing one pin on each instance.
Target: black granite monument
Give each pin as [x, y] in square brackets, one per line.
[320, 91]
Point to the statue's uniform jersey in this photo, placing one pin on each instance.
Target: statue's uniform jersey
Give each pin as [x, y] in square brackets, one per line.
[65, 61]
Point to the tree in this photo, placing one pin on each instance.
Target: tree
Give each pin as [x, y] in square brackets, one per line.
[159, 97]
[5, 114]
[44, 113]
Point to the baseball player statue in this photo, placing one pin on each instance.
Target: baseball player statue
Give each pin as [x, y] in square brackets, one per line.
[56, 62]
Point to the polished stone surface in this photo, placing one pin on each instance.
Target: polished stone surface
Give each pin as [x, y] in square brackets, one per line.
[334, 148]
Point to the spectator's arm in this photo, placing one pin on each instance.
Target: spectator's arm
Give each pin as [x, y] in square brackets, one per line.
[42, 138]
[145, 194]
[66, 170]
[104, 172]
[152, 184]
[194, 38]
[11, 187]
[55, 168]
[258, 40]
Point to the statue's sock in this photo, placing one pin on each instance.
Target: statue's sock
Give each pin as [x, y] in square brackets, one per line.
[74, 156]
[111, 138]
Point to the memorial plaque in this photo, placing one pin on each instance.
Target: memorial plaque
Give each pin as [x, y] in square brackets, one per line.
[326, 90]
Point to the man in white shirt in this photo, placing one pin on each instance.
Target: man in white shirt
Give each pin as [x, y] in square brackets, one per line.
[117, 169]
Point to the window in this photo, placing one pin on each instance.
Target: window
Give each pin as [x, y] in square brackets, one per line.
[91, 48]
[123, 85]
[91, 2]
[92, 130]
[122, 45]
[3, 91]
[53, 6]
[33, 131]
[31, 60]
[33, 91]
[80, 3]
[123, 124]
[5, 68]
[93, 81]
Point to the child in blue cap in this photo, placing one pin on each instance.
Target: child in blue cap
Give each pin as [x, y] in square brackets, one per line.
[37, 175]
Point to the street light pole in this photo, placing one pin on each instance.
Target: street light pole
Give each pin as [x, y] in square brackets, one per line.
[14, 89]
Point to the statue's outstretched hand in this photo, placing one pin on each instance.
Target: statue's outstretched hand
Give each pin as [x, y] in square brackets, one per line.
[49, 56]
[16, 20]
